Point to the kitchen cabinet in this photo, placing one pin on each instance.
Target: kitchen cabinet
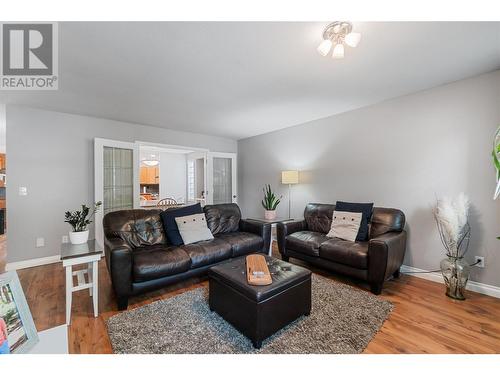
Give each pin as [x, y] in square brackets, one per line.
[149, 176]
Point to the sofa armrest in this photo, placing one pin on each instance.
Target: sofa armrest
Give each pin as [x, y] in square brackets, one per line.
[285, 229]
[260, 229]
[385, 256]
[119, 261]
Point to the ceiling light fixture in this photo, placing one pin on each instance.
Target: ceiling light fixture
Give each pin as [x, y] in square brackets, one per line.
[337, 34]
[151, 162]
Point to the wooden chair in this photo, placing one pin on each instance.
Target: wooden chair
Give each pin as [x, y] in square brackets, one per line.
[167, 203]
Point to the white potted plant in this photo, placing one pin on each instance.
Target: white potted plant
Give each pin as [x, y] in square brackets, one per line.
[270, 202]
[452, 218]
[79, 220]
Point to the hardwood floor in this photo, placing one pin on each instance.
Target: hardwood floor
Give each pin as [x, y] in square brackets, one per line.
[424, 319]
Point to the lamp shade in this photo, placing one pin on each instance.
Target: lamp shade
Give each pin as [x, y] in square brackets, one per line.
[352, 39]
[338, 51]
[325, 47]
[290, 177]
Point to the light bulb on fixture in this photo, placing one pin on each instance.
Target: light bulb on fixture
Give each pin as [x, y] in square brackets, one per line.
[352, 39]
[338, 51]
[151, 163]
[324, 47]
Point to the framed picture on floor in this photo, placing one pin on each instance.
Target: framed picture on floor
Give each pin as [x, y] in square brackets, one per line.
[17, 330]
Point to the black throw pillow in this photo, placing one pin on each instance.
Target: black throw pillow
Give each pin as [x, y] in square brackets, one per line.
[170, 226]
[366, 210]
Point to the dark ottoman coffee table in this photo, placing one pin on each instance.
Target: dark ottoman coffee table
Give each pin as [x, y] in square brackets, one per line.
[259, 311]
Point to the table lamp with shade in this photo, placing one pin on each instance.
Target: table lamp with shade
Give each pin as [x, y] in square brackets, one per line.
[290, 178]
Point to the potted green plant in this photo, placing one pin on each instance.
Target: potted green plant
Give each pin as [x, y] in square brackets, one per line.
[79, 220]
[270, 202]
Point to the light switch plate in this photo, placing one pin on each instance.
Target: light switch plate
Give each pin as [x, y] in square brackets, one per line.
[65, 239]
[23, 190]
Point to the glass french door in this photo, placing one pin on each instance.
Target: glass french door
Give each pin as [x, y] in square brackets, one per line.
[222, 177]
[116, 169]
[197, 177]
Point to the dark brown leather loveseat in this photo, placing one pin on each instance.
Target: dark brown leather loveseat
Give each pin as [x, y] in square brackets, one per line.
[139, 257]
[374, 261]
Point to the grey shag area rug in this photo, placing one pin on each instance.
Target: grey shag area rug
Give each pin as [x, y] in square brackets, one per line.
[343, 320]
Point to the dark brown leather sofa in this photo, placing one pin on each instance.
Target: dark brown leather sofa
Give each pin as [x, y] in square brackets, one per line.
[374, 261]
[139, 257]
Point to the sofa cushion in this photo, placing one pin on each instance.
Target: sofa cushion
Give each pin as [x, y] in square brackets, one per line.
[136, 227]
[168, 217]
[242, 243]
[207, 252]
[193, 228]
[153, 262]
[223, 218]
[306, 242]
[366, 210]
[345, 225]
[318, 217]
[353, 254]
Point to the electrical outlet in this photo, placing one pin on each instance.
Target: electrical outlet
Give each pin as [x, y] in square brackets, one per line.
[40, 242]
[23, 190]
[480, 260]
[65, 239]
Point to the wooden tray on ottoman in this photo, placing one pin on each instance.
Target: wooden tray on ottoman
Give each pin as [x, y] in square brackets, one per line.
[257, 270]
[259, 311]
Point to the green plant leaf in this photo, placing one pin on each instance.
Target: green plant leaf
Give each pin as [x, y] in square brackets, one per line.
[270, 200]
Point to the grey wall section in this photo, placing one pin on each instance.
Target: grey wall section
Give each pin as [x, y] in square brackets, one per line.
[400, 153]
[52, 155]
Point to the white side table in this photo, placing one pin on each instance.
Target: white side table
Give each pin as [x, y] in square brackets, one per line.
[274, 224]
[71, 255]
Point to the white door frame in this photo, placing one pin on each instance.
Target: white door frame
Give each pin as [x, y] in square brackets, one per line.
[99, 144]
[210, 172]
[165, 145]
[195, 156]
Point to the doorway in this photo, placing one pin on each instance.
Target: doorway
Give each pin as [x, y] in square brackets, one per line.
[140, 174]
[222, 178]
[171, 172]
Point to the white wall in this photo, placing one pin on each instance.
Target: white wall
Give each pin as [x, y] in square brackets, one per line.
[51, 154]
[400, 153]
[173, 176]
[200, 177]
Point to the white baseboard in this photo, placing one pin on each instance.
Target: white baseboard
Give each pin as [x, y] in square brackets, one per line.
[474, 286]
[32, 263]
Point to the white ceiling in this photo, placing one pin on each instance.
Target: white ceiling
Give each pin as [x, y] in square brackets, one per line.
[241, 79]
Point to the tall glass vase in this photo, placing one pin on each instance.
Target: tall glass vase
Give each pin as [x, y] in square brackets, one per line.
[455, 272]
